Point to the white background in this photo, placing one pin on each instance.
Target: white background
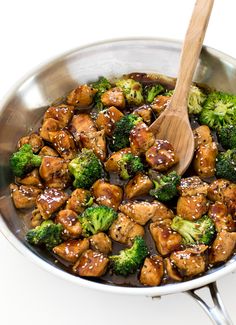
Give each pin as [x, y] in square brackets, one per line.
[32, 32]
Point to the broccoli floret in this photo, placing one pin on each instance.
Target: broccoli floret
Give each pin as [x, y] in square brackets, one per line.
[201, 231]
[196, 99]
[102, 85]
[24, 161]
[48, 234]
[130, 259]
[165, 186]
[132, 90]
[227, 136]
[151, 91]
[226, 165]
[219, 110]
[96, 219]
[120, 137]
[129, 165]
[169, 93]
[86, 169]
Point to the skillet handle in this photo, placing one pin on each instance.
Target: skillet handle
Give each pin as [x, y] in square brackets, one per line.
[217, 313]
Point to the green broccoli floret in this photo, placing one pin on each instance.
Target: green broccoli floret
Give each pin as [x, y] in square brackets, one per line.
[169, 92]
[86, 169]
[201, 231]
[96, 219]
[122, 129]
[24, 161]
[226, 165]
[130, 259]
[165, 186]
[227, 136]
[219, 110]
[48, 234]
[196, 99]
[132, 90]
[102, 85]
[129, 165]
[151, 91]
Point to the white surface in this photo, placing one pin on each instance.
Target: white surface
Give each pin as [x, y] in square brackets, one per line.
[33, 32]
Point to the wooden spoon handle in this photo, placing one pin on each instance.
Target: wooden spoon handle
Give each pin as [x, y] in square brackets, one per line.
[190, 53]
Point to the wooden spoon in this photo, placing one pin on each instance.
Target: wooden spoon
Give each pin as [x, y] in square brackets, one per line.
[173, 124]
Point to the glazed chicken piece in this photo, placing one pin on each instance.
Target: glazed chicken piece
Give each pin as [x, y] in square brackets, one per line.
[204, 160]
[36, 218]
[145, 112]
[71, 250]
[124, 229]
[31, 179]
[192, 207]
[107, 194]
[64, 144]
[162, 212]
[91, 264]
[81, 123]
[141, 139]
[113, 97]
[79, 200]
[49, 125]
[106, 119]
[161, 156]
[137, 186]
[171, 270]
[222, 247]
[34, 140]
[190, 261]
[81, 96]
[218, 211]
[202, 136]
[48, 151]
[69, 220]
[50, 201]
[54, 172]
[95, 141]
[216, 190]
[24, 196]
[160, 103]
[101, 242]
[192, 186]
[152, 271]
[230, 198]
[112, 163]
[61, 113]
[165, 238]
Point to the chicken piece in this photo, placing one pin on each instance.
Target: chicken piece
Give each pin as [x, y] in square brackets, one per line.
[49, 125]
[61, 113]
[216, 190]
[192, 207]
[34, 140]
[95, 141]
[191, 261]
[81, 96]
[101, 243]
[63, 142]
[81, 123]
[70, 222]
[48, 151]
[229, 194]
[71, 250]
[31, 179]
[160, 103]
[106, 119]
[124, 229]
[24, 196]
[91, 264]
[222, 247]
[107, 194]
[112, 163]
[161, 156]
[142, 211]
[36, 218]
[152, 271]
[113, 97]
[202, 136]
[54, 172]
[50, 201]
[141, 139]
[138, 186]
[171, 270]
[145, 112]
[192, 186]
[204, 160]
[79, 200]
[165, 238]
[218, 211]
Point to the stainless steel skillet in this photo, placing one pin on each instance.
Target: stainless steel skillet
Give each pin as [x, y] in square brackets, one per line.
[23, 108]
